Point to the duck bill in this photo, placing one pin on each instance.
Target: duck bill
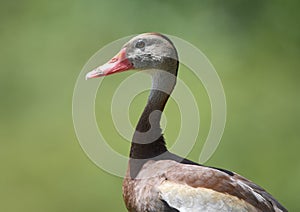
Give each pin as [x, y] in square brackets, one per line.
[117, 64]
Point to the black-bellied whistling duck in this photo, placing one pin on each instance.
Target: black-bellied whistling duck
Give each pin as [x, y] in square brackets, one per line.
[156, 179]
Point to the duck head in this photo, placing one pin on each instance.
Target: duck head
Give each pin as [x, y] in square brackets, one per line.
[146, 51]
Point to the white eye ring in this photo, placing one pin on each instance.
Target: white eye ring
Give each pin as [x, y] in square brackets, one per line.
[140, 44]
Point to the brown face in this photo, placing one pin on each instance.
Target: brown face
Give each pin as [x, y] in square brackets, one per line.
[145, 51]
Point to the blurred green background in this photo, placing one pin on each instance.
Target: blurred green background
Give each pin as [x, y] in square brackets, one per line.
[254, 46]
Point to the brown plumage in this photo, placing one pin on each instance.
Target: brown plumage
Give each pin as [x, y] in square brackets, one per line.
[156, 173]
[157, 180]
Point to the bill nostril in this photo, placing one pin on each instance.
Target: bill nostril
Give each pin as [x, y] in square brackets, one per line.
[113, 60]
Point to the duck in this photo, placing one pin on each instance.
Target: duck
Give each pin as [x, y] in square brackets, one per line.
[156, 179]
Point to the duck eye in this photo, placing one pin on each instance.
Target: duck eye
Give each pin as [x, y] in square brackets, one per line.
[140, 44]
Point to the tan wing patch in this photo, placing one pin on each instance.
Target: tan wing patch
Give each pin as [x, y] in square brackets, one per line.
[186, 198]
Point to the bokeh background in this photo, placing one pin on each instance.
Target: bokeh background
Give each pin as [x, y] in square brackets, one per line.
[254, 46]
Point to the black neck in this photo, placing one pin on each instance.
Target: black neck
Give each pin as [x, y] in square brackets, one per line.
[148, 141]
